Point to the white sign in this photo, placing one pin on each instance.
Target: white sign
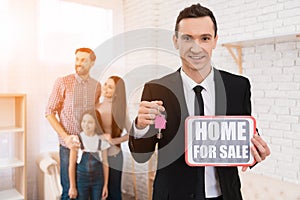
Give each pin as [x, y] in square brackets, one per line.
[219, 141]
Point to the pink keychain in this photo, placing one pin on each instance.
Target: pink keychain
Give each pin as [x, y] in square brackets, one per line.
[160, 123]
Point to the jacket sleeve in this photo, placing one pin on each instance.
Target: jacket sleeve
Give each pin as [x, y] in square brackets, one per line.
[143, 148]
[247, 98]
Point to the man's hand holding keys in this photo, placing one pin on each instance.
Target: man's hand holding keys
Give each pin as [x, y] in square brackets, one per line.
[148, 110]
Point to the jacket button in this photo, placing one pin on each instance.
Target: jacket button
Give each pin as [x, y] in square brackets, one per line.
[192, 196]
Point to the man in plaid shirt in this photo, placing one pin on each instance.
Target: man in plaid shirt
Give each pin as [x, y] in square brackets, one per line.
[71, 96]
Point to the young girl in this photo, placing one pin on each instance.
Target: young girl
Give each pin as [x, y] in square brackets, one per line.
[114, 119]
[88, 168]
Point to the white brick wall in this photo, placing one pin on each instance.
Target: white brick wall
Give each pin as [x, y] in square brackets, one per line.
[281, 101]
[273, 68]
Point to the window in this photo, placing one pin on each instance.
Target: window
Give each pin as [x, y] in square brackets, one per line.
[7, 33]
[64, 26]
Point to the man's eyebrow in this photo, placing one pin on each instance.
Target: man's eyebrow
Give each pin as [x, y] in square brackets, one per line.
[192, 36]
[206, 35]
[185, 34]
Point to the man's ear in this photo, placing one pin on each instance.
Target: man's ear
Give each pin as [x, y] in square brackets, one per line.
[92, 63]
[215, 42]
[175, 42]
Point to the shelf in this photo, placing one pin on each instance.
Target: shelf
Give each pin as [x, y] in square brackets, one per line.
[8, 163]
[13, 155]
[14, 95]
[262, 40]
[10, 195]
[11, 129]
[239, 44]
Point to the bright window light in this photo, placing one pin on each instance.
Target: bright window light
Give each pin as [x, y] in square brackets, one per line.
[65, 26]
[7, 33]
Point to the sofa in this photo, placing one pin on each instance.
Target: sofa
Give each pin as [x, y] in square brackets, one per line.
[261, 187]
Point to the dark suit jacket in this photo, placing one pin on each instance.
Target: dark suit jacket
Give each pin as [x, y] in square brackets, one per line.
[175, 180]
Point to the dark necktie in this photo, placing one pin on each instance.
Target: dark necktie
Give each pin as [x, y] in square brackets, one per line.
[199, 106]
[199, 110]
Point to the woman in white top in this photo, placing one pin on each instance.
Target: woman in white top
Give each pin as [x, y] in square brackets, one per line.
[114, 119]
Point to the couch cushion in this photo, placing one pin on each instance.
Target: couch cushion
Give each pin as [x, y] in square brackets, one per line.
[260, 187]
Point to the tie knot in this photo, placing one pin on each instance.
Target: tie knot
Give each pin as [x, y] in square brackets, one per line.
[198, 89]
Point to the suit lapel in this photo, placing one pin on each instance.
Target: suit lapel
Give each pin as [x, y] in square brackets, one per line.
[176, 86]
[220, 94]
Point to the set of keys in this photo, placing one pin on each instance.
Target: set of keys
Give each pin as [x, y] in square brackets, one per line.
[160, 123]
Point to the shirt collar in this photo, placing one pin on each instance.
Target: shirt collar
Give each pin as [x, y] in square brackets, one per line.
[207, 83]
[80, 80]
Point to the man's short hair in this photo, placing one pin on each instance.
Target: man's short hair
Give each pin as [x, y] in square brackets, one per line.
[195, 11]
[87, 50]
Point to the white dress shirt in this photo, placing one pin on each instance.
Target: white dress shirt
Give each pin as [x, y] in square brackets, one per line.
[212, 185]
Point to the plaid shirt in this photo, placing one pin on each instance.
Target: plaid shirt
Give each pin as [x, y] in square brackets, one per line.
[71, 96]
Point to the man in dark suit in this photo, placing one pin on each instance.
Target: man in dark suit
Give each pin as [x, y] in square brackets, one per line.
[173, 95]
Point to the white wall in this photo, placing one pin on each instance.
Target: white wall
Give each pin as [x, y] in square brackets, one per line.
[272, 66]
